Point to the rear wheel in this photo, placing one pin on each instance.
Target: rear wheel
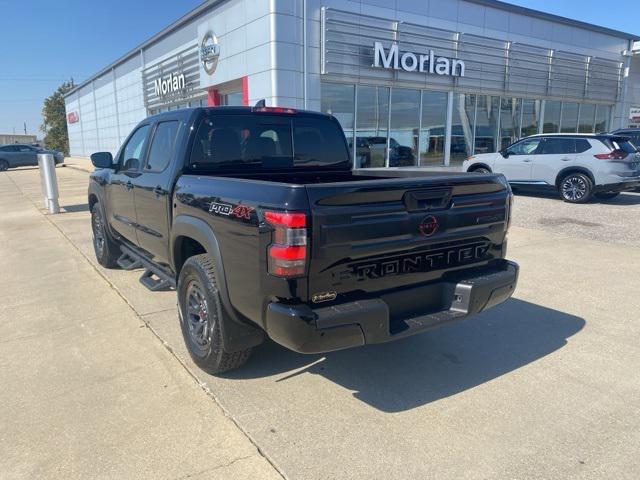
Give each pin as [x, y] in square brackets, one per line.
[607, 195]
[201, 315]
[107, 251]
[4, 165]
[576, 188]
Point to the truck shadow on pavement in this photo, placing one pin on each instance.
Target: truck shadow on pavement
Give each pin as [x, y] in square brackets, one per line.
[402, 375]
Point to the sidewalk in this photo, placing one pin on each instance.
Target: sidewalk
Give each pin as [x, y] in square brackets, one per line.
[87, 390]
[79, 163]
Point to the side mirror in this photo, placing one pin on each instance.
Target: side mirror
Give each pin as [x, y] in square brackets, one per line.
[505, 153]
[102, 160]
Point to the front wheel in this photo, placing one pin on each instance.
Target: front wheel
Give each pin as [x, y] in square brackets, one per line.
[576, 188]
[607, 195]
[483, 170]
[4, 165]
[201, 314]
[106, 250]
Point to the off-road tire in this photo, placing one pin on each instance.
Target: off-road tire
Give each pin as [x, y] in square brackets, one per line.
[576, 188]
[606, 195]
[107, 251]
[201, 314]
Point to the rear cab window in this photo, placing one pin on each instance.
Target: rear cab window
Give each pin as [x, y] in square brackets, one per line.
[268, 142]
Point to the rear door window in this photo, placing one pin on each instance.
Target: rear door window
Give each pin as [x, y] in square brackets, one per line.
[267, 142]
[558, 146]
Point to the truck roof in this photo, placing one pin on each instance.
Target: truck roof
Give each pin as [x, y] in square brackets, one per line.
[242, 110]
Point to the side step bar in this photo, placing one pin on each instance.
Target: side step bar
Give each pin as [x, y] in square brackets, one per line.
[154, 277]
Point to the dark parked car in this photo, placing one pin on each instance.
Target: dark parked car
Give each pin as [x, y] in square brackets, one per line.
[632, 133]
[19, 155]
[257, 219]
[371, 153]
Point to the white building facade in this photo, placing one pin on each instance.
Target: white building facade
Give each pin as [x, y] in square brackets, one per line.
[413, 82]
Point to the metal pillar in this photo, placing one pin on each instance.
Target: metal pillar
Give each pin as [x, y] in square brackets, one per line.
[47, 166]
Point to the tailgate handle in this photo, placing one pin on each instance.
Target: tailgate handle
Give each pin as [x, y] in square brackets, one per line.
[427, 199]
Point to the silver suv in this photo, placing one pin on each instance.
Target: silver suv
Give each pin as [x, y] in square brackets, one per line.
[578, 166]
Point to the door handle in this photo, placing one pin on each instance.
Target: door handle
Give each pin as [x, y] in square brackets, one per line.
[158, 190]
[565, 159]
[527, 160]
[128, 185]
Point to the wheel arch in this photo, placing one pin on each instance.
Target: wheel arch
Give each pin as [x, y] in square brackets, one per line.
[193, 236]
[569, 170]
[478, 165]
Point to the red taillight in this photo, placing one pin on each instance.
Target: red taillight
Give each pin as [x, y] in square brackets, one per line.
[274, 110]
[286, 219]
[613, 155]
[287, 255]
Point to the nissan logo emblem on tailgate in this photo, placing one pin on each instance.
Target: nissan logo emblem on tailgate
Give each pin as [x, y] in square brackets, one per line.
[428, 226]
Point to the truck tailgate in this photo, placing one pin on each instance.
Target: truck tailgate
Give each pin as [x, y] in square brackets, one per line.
[375, 235]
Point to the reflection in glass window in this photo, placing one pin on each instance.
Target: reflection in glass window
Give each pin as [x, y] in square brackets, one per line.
[509, 121]
[464, 106]
[403, 134]
[569, 122]
[162, 146]
[338, 100]
[551, 117]
[587, 115]
[434, 119]
[602, 118]
[530, 117]
[372, 126]
[525, 147]
[486, 124]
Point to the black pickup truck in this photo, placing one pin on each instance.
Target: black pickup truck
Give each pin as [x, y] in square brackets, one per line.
[256, 218]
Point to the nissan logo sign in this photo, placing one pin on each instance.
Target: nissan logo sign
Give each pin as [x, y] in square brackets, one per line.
[428, 226]
[209, 52]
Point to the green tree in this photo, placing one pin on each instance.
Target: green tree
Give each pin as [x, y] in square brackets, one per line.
[54, 127]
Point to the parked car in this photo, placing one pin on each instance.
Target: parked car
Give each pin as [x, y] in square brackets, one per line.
[371, 152]
[20, 155]
[255, 216]
[578, 166]
[632, 133]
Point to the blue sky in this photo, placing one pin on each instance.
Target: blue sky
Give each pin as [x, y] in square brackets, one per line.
[43, 42]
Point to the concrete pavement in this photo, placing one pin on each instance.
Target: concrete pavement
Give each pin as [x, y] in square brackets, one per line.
[544, 386]
[87, 390]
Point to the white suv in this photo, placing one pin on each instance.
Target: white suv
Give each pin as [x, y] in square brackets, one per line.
[578, 166]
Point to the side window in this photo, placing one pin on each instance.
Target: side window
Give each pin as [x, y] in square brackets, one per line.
[133, 150]
[525, 147]
[24, 148]
[558, 146]
[162, 146]
[582, 145]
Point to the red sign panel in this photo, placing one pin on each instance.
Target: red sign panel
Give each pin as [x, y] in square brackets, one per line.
[72, 117]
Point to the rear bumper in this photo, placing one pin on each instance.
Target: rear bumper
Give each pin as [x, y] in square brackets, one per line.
[392, 316]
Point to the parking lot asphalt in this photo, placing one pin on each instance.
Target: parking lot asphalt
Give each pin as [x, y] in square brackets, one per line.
[543, 386]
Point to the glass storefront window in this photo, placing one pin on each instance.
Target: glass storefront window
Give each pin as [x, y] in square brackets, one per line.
[509, 121]
[602, 118]
[464, 112]
[434, 120]
[551, 117]
[569, 121]
[232, 99]
[587, 116]
[372, 126]
[530, 117]
[338, 100]
[486, 124]
[405, 122]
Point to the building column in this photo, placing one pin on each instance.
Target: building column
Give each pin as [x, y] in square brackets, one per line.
[245, 90]
[213, 98]
[447, 129]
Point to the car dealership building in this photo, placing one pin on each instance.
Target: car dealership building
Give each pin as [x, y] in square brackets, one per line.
[413, 82]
